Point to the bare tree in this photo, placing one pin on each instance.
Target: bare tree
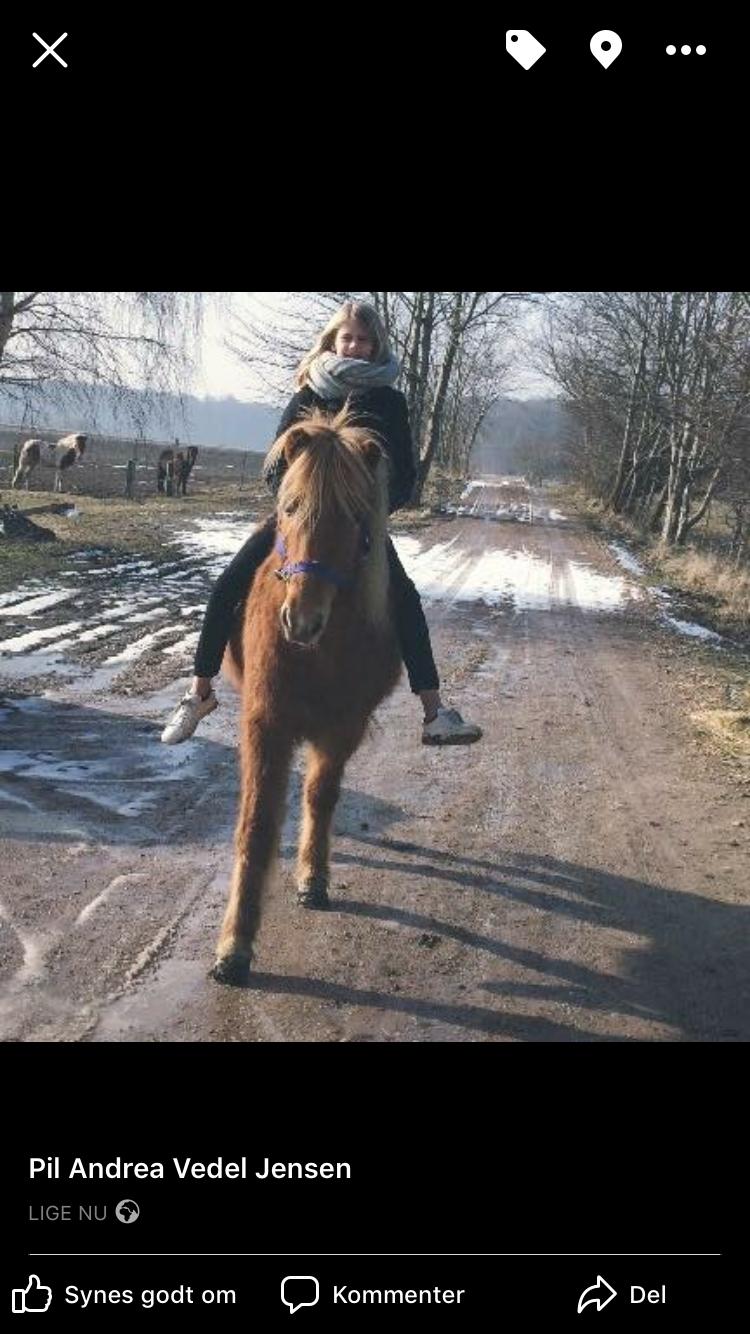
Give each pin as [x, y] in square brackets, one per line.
[466, 314]
[65, 347]
[270, 337]
[479, 380]
[439, 337]
[660, 385]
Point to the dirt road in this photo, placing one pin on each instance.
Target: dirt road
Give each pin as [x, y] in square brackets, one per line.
[580, 874]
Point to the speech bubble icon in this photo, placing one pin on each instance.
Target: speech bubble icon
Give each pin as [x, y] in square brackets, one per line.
[306, 1294]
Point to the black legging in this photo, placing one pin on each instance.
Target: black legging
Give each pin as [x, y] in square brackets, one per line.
[232, 587]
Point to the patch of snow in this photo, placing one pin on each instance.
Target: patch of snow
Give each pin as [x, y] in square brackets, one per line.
[30, 640]
[691, 628]
[626, 558]
[28, 606]
[152, 615]
[447, 572]
[472, 486]
[216, 539]
[99, 632]
[185, 645]
[139, 646]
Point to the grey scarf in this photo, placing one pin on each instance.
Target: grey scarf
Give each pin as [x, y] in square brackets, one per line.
[334, 377]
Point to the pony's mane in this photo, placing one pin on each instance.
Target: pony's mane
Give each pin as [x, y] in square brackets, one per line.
[332, 475]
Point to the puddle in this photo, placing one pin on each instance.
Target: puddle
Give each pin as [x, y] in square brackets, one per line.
[111, 780]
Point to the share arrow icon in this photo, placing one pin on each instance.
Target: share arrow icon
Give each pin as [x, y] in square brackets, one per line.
[597, 1289]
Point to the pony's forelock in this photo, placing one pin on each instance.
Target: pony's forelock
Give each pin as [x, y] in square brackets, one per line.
[333, 472]
[339, 474]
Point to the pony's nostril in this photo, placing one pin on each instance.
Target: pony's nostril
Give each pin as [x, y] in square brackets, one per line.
[316, 626]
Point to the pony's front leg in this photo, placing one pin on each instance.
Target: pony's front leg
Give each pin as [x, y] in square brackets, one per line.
[266, 758]
[322, 788]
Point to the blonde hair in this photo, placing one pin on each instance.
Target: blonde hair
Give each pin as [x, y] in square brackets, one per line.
[351, 310]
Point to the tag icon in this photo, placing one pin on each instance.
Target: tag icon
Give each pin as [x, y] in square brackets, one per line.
[523, 47]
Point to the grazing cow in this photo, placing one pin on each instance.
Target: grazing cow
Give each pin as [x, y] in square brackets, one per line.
[39, 452]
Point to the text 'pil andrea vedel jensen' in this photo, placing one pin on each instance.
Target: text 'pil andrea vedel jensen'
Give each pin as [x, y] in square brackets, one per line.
[118, 1169]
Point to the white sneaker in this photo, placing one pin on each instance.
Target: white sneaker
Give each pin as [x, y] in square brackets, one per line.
[186, 717]
[449, 729]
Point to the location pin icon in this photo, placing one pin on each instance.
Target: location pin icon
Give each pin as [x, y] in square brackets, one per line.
[605, 47]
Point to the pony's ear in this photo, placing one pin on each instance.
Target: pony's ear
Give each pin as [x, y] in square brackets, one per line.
[296, 438]
[373, 454]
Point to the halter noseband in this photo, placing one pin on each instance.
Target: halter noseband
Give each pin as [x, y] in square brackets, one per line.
[317, 567]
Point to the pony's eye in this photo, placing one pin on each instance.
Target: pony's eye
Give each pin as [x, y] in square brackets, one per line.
[289, 509]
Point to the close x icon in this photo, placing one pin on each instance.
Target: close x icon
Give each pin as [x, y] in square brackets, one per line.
[49, 50]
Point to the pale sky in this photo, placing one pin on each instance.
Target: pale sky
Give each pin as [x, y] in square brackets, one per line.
[223, 375]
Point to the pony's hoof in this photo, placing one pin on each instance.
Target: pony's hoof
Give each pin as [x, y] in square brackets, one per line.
[233, 970]
[313, 893]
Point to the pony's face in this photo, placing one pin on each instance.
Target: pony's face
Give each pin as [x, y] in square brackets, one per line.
[81, 446]
[324, 503]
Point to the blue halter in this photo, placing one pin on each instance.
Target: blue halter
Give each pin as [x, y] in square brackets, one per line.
[317, 567]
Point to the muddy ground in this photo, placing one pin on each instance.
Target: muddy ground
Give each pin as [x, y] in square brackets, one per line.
[581, 874]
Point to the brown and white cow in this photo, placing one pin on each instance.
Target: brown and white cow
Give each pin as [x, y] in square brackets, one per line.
[60, 456]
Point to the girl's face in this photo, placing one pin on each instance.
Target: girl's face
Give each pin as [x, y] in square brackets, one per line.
[353, 340]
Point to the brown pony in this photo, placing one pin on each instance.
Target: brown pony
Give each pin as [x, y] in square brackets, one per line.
[60, 457]
[175, 466]
[315, 656]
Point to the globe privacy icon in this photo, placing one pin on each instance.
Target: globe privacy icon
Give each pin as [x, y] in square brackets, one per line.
[523, 47]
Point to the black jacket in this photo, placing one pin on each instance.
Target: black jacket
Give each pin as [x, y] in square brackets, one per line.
[383, 411]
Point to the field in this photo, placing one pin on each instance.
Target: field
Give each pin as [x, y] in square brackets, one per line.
[103, 468]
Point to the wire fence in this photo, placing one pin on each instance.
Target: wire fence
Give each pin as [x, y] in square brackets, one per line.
[124, 465]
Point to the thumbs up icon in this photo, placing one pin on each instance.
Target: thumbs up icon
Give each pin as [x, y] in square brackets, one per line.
[34, 1297]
